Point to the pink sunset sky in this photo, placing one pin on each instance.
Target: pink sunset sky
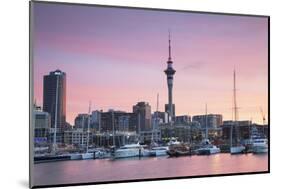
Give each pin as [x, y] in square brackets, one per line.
[116, 57]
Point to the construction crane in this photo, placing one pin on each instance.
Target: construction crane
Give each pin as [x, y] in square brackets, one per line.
[263, 116]
[263, 119]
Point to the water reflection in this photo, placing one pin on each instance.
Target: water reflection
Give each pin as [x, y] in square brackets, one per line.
[135, 168]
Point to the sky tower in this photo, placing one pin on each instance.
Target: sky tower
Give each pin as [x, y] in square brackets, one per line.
[170, 107]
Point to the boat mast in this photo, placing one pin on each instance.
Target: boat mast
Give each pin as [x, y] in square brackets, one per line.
[235, 108]
[113, 129]
[206, 122]
[99, 115]
[88, 130]
[157, 109]
[56, 117]
[83, 124]
[157, 106]
[156, 121]
[139, 126]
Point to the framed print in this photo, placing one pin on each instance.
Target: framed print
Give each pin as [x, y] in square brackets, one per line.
[126, 94]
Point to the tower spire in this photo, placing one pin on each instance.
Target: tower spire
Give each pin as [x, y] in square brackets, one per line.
[170, 107]
[170, 45]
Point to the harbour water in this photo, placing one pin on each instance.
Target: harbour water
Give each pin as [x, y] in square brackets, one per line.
[67, 172]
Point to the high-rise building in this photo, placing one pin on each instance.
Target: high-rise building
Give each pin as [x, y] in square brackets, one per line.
[212, 120]
[54, 98]
[143, 112]
[170, 107]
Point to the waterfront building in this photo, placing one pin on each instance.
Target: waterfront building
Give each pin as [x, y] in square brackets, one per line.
[142, 110]
[59, 136]
[162, 117]
[245, 128]
[158, 118]
[81, 121]
[170, 71]
[105, 139]
[124, 122]
[42, 124]
[96, 120]
[190, 133]
[118, 121]
[54, 98]
[213, 120]
[150, 136]
[183, 119]
[77, 137]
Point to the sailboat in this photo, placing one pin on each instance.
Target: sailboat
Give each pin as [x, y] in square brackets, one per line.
[207, 148]
[155, 149]
[258, 141]
[87, 154]
[235, 148]
[128, 150]
[176, 148]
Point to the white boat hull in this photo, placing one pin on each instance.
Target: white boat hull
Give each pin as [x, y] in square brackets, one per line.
[148, 153]
[160, 152]
[101, 155]
[208, 151]
[125, 153]
[237, 149]
[215, 150]
[260, 149]
[75, 156]
[87, 156]
[155, 153]
[260, 145]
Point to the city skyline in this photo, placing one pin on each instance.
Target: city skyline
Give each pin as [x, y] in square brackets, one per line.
[120, 60]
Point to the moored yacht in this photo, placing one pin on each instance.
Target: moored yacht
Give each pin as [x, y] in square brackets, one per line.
[87, 155]
[260, 145]
[208, 148]
[173, 141]
[237, 149]
[160, 150]
[156, 151]
[176, 148]
[129, 150]
[258, 142]
[75, 156]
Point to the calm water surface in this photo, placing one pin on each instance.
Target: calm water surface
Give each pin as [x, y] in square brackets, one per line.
[64, 172]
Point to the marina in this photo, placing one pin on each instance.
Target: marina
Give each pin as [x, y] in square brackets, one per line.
[144, 168]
